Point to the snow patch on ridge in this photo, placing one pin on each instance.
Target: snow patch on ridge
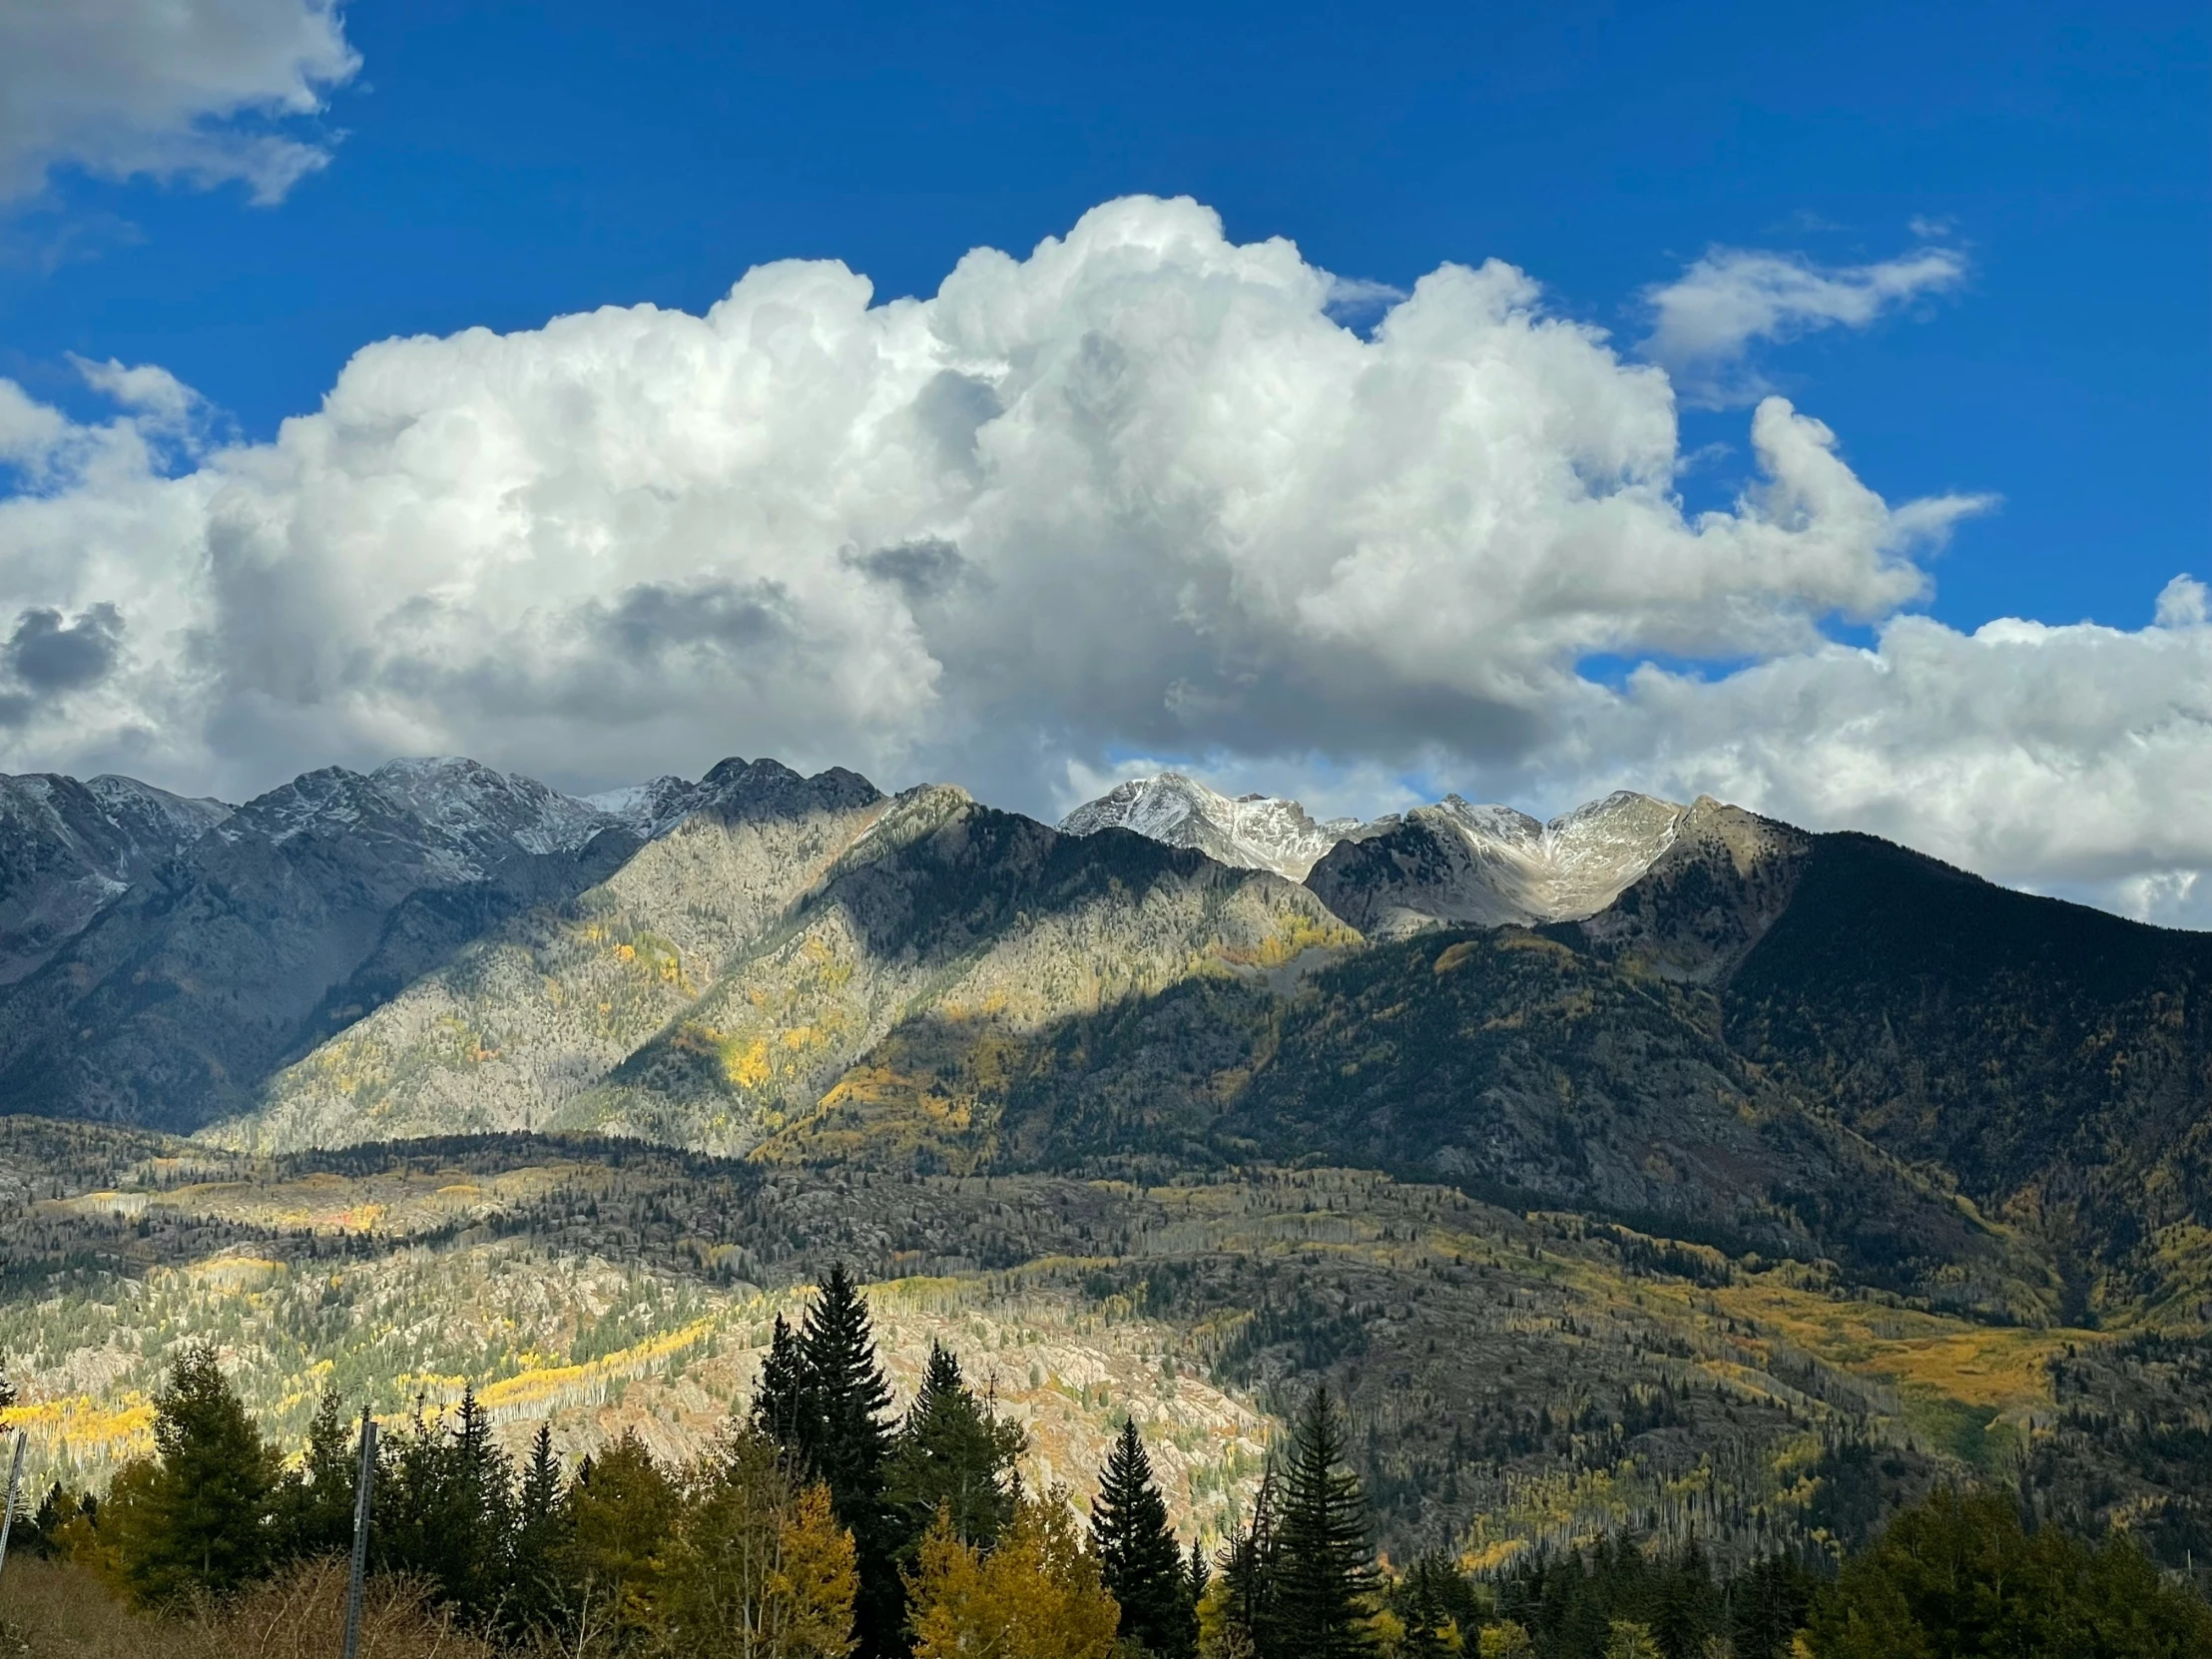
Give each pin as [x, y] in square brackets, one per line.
[1251, 832]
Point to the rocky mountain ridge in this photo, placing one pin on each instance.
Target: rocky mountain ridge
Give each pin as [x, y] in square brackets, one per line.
[1625, 1011]
[1782, 1145]
[68, 849]
[1248, 832]
[1447, 865]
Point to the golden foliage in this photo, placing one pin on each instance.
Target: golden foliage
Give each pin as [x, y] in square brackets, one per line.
[756, 1570]
[1036, 1596]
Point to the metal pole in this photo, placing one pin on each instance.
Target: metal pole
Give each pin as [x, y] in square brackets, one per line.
[15, 1485]
[362, 1484]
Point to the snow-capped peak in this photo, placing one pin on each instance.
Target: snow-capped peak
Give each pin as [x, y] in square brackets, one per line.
[473, 802]
[1498, 863]
[1251, 831]
[648, 809]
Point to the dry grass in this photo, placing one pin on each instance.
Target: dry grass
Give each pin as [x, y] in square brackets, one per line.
[49, 1611]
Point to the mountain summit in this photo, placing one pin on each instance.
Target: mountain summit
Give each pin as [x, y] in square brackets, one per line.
[1450, 864]
[1251, 832]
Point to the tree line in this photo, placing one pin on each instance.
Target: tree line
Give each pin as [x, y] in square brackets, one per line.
[824, 1526]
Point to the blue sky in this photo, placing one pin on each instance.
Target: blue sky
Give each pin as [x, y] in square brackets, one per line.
[2035, 405]
[499, 164]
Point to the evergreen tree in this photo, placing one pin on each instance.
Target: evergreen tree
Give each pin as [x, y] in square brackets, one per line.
[1248, 1560]
[1686, 1609]
[201, 1519]
[782, 1406]
[951, 1454]
[535, 1601]
[315, 1511]
[823, 1398]
[1324, 1575]
[445, 1508]
[1767, 1604]
[1958, 1576]
[7, 1389]
[1197, 1577]
[1138, 1558]
[621, 1513]
[1438, 1607]
[846, 1398]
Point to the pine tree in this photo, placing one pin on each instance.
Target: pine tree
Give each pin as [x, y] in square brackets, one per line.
[202, 1518]
[782, 1407]
[1138, 1558]
[1686, 1610]
[831, 1392]
[535, 1599]
[951, 1454]
[445, 1509]
[1767, 1604]
[1324, 1575]
[483, 1509]
[1249, 1557]
[1432, 1601]
[315, 1513]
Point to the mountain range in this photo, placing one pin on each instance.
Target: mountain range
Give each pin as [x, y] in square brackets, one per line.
[1746, 1052]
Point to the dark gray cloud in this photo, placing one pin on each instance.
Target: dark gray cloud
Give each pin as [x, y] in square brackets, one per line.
[653, 617]
[926, 569]
[49, 655]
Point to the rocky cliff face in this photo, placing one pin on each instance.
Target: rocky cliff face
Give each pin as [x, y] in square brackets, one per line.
[282, 922]
[69, 850]
[1455, 864]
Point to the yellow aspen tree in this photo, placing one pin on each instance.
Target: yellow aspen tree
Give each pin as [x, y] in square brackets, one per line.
[1037, 1595]
[816, 1578]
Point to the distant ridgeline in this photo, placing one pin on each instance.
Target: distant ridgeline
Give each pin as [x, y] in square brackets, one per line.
[1661, 1169]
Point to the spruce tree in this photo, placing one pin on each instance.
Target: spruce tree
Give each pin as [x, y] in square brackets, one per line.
[1138, 1558]
[1767, 1605]
[782, 1407]
[445, 1509]
[844, 1440]
[1250, 1559]
[1325, 1576]
[1432, 1600]
[951, 1454]
[315, 1514]
[534, 1602]
[203, 1519]
[483, 1509]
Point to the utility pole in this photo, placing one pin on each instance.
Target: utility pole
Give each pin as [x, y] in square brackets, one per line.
[362, 1484]
[15, 1485]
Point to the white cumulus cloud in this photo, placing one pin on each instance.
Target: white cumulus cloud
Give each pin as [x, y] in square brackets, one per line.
[1706, 322]
[197, 90]
[1138, 493]
[2073, 758]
